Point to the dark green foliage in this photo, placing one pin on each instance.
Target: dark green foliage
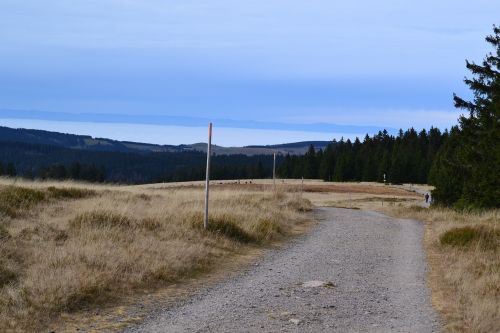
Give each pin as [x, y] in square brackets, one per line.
[76, 170]
[487, 238]
[404, 158]
[51, 162]
[447, 172]
[9, 170]
[466, 173]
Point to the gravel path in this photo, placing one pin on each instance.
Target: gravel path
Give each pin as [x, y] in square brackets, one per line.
[356, 271]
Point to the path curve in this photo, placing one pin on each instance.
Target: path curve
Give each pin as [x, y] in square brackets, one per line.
[376, 266]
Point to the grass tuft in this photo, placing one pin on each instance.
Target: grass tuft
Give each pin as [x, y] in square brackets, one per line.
[151, 224]
[225, 225]
[267, 229]
[488, 238]
[100, 219]
[69, 192]
[6, 275]
[4, 234]
[300, 205]
[14, 200]
[84, 296]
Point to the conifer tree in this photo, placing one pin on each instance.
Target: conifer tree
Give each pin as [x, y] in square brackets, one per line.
[466, 172]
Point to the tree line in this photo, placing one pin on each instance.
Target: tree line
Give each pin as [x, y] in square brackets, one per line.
[8, 169]
[41, 161]
[405, 158]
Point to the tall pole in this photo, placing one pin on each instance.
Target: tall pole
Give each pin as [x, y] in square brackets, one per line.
[274, 171]
[302, 186]
[207, 182]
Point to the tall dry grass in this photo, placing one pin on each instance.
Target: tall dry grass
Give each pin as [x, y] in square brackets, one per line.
[464, 258]
[67, 246]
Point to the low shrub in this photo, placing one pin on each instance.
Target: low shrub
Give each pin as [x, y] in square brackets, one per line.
[267, 229]
[226, 225]
[223, 225]
[150, 224]
[300, 205]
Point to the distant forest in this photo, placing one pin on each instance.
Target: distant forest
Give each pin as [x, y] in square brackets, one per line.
[52, 162]
[405, 158]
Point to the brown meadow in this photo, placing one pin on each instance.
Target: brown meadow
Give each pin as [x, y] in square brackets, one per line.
[67, 246]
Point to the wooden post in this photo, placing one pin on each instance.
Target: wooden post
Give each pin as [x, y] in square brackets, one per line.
[207, 181]
[274, 172]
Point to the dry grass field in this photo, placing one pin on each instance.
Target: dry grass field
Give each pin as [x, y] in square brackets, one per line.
[68, 246]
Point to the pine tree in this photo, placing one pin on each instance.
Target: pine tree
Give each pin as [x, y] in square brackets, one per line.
[471, 156]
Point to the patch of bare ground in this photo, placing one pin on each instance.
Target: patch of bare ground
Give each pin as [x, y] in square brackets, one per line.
[67, 249]
[463, 251]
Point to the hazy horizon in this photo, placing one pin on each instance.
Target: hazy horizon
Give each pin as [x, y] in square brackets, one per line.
[265, 73]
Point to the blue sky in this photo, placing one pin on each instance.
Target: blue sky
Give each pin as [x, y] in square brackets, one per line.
[264, 71]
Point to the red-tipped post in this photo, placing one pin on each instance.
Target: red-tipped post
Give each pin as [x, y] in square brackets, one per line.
[207, 181]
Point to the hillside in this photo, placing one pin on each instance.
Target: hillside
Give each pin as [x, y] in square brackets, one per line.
[55, 162]
[86, 142]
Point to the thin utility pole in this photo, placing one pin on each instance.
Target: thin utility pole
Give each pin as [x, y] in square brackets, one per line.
[207, 182]
[274, 171]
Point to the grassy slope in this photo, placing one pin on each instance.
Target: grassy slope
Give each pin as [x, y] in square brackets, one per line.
[68, 246]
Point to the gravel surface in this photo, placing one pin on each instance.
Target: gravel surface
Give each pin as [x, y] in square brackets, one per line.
[356, 271]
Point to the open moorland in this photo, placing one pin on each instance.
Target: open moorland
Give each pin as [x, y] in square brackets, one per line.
[69, 246]
[80, 255]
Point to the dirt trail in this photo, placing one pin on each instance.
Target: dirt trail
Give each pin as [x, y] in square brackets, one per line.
[356, 272]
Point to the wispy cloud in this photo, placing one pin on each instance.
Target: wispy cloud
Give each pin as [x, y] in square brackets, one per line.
[174, 135]
[103, 118]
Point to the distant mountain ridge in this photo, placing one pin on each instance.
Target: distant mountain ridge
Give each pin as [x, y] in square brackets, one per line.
[87, 142]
